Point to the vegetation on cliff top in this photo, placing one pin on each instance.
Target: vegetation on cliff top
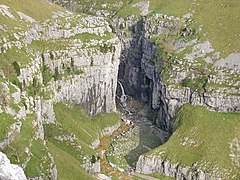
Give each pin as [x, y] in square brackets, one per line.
[219, 20]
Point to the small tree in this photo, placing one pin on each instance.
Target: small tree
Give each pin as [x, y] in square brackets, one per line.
[93, 159]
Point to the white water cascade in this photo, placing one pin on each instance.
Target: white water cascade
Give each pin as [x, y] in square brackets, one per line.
[123, 97]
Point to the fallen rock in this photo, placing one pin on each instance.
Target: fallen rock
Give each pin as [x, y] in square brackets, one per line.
[10, 171]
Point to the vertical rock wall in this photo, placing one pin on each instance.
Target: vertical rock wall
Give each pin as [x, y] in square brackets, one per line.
[142, 64]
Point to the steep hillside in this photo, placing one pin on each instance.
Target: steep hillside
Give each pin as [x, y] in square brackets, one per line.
[51, 57]
[205, 145]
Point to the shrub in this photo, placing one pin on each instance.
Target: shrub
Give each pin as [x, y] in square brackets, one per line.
[93, 159]
[16, 67]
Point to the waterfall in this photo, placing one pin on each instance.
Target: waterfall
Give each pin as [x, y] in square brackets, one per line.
[123, 97]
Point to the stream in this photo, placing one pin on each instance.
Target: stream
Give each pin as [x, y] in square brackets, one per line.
[136, 136]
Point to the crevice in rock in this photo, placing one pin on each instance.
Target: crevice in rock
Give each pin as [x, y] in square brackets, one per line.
[141, 80]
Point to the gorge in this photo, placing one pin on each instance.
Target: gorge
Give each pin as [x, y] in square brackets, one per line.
[170, 75]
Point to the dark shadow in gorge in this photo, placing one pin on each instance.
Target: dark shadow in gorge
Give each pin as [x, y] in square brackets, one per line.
[140, 80]
[139, 73]
[150, 136]
[148, 140]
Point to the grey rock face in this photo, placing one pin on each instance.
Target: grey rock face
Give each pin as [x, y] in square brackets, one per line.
[109, 130]
[93, 86]
[153, 164]
[94, 89]
[103, 177]
[83, 71]
[10, 171]
[231, 61]
[92, 167]
[140, 71]
[95, 143]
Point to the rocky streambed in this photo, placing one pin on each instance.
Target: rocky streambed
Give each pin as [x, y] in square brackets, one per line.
[136, 136]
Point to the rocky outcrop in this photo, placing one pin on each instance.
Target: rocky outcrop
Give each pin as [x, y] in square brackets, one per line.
[103, 177]
[95, 88]
[10, 171]
[84, 73]
[153, 164]
[92, 167]
[109, 130]
[75, 58]
[84, 69]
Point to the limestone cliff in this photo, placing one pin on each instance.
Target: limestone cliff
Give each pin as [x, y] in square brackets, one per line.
[167, 80]
[169, 65]
[149, 165]
[66, 57]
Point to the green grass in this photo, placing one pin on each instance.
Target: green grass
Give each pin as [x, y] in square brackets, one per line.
[40, 10]
[120, 148]
[39, 165]
[210, 133]
[112, 6]
[50, 45]
[78, 122]
[37, 9]
[86, 37]
[220, 19]
[104, 120]
[5, 122]
[67, 166]
[71, 148]
[129, 10]
[15, 151]
[12, 61]
[73, 121]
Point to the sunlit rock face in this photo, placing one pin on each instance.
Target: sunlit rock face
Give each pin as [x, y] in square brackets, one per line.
[10, 171]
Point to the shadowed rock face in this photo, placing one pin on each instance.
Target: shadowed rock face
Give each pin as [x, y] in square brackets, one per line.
[10, 171]
[141, 71]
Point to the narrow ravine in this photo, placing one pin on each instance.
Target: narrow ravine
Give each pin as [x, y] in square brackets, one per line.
[147, 134]
[143, 137]
[109, 168]
[137, 135]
